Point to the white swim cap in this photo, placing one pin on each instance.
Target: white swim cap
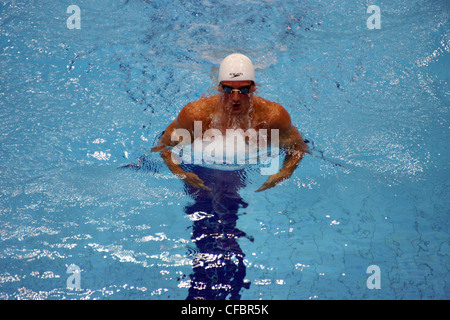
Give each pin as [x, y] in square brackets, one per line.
[236, 67]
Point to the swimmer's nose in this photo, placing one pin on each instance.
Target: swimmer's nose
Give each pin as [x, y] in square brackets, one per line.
[236, 97]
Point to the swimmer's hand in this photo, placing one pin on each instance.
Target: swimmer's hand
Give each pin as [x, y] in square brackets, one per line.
[273, 181]
[188, 177]
[193, 180]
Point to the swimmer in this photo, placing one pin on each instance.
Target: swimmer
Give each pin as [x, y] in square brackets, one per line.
[236, 107]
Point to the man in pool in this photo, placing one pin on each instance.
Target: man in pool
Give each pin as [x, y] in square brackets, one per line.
[235, 107]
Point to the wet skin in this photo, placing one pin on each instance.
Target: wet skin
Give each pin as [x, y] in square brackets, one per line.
[235, 110]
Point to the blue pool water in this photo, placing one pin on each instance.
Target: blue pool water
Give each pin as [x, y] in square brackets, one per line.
[75, 105]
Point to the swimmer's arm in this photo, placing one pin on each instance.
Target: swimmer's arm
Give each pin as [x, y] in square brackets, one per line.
[165, 140]
[295, 146]
[296, 149]
[188, 177]
[184, 120]
[163, 148]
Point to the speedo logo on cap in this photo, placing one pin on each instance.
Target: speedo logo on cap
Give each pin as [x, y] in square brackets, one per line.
[235, 74]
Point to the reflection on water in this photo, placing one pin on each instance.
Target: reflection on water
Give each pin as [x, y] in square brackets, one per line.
[218, 267]
[218, 260]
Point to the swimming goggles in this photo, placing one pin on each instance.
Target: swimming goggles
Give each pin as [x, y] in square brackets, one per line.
[243, 90]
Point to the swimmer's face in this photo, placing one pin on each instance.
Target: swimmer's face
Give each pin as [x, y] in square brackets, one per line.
[236, 95]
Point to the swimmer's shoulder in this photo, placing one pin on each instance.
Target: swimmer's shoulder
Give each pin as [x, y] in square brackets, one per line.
[201, 106]
[268, 106]
[273, 112]
[200, 110]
